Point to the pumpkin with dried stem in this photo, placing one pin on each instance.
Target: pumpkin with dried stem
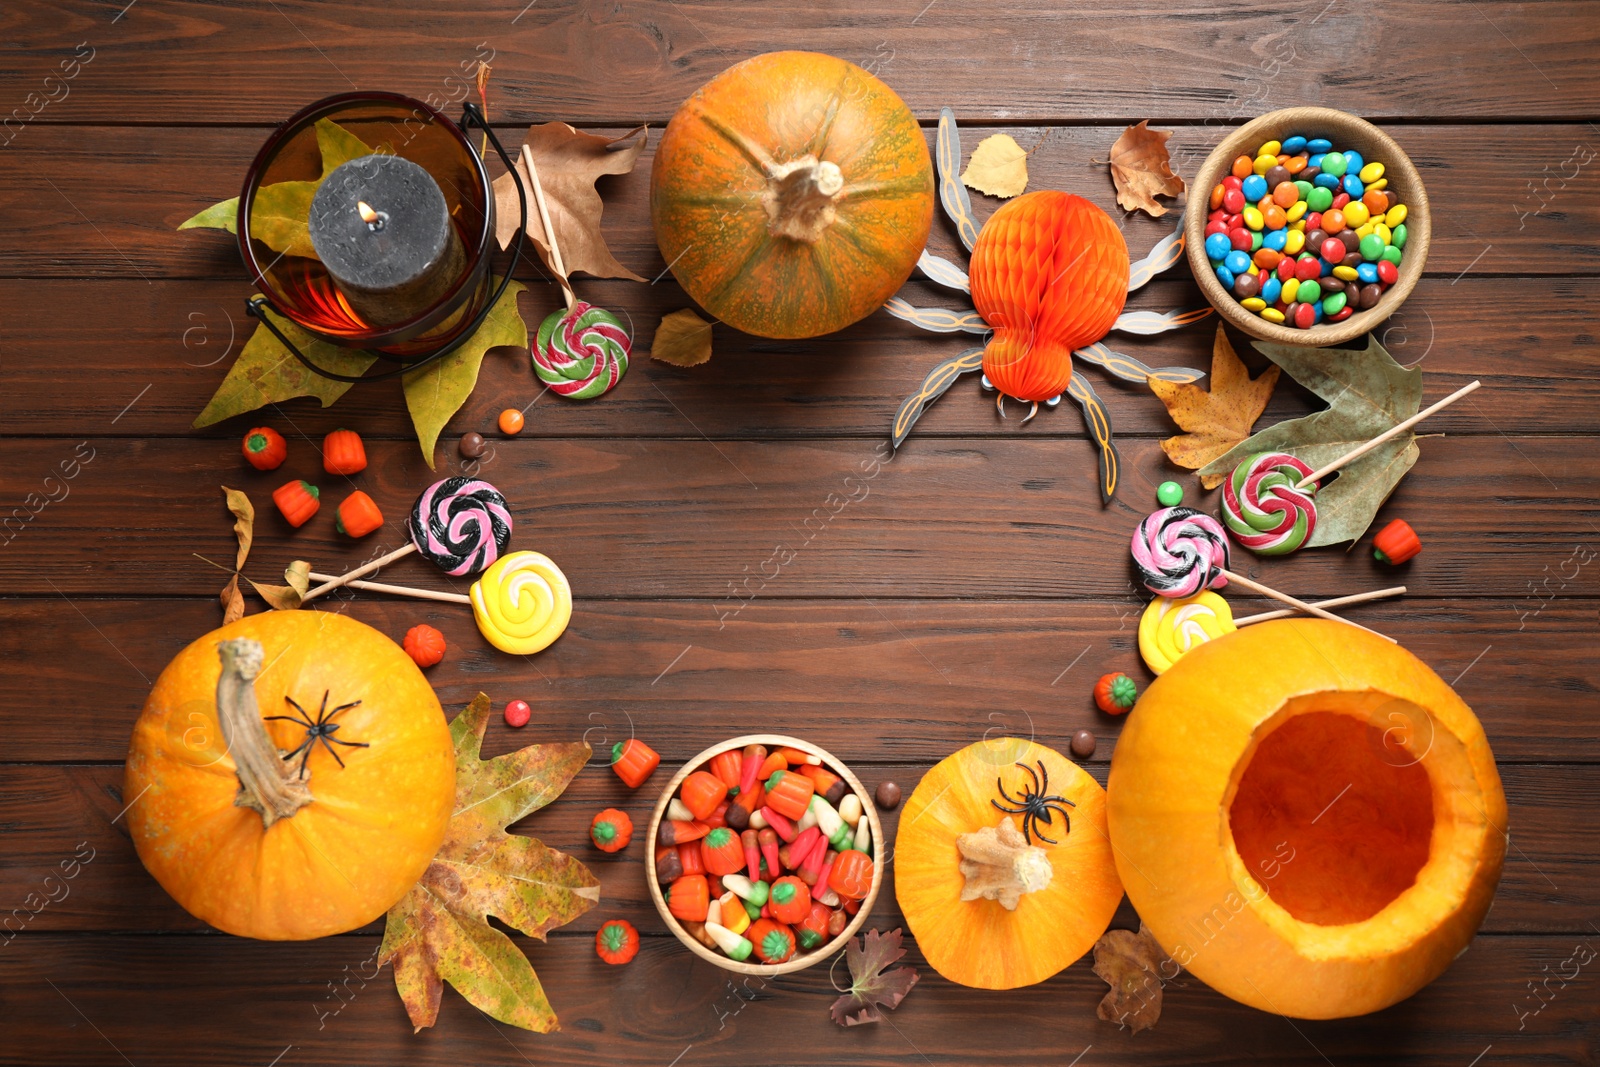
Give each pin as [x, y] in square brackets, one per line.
[1003, 867]
[1308, 819]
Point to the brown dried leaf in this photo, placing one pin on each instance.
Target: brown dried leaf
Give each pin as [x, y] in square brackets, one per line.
[998, 166]
[287, 597]
[244, 523]
[1141, 169]
[1217, 420]
[873, 986]
[569, 162]
[440, 931]
[683, 339]
[1131, 963]
[232, 601]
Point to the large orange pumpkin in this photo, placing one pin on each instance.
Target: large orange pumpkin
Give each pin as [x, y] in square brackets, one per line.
[995, 899]
[223, 815]
[1307, 818]
[792, 194]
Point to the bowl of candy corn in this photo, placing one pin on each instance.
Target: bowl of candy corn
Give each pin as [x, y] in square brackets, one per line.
[1307, 226]
[767, 854]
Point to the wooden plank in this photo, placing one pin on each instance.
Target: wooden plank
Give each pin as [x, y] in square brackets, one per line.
[1016, 60]
[912, 676]
[969, 518]
[178, 338]
[50, 812]
[240, 1001]
[136, 189]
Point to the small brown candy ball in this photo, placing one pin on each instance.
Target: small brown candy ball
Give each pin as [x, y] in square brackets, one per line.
[887, 796]
[1083, 744]
[471, 444]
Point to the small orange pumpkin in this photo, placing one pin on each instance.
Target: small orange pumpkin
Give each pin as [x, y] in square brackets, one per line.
[792, 194]
[265, 828]
[995, 898]
[1307, 818]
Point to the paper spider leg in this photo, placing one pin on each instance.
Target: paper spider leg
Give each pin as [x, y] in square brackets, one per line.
[1099, 423]
[940, 379]
[939, 320]
[1148, 322]
[1166, 253]
[952, 194]
[1131, 370]
[943, 272]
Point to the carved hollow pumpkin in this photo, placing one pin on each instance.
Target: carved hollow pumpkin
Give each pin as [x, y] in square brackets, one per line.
[1307, 818]
[264, 826]
[1002, 864]
[792, 194]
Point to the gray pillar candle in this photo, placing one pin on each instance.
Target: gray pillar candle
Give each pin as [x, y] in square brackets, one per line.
[382, 229]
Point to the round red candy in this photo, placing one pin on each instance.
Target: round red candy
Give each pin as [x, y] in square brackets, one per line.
[1388, 273]
[1340, 201]
[1286, 268]
[518, 713]
[1305, 316]
[1333, 250]
[1240, 239]
[1216, 226]
[1233, 201]
[1340, 315]
[1307, 269]
[1232, 182]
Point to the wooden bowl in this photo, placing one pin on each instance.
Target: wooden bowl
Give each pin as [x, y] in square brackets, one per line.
[1346, 131]
[797, 962]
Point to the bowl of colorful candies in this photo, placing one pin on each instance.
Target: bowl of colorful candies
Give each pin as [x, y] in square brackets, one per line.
[1307, 226]
[767, 854]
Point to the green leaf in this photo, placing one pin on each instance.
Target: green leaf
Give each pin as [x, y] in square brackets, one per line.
[339, 146]
[437, 391]
[266, 373]
[439, 931]
[223, 216]
[1368, 393]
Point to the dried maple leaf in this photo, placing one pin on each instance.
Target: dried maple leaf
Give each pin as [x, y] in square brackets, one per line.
[1368, 393]
[1141, 169]
[872, 986]
[998, 166]
[1131, 963]
[569, 162]
[437, 391]
[1217, 420]
[440, 932]
[683, 339]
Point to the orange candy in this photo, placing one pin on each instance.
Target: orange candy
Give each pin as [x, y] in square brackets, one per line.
[1332, 221]
[1275, 217]
[1376, 202]
[1243, 167]
[1285, 194]
[511, 421]
[1295, 164]
[1267, 259]
[1217, 193]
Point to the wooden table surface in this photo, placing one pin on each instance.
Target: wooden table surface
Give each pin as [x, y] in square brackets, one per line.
[976, 587]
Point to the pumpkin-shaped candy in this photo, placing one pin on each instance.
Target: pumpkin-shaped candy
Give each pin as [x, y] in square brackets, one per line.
[291, 776]
[792, 194]
[1003, 868]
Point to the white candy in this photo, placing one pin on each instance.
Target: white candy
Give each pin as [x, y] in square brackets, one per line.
[678, 811]
[850, 809]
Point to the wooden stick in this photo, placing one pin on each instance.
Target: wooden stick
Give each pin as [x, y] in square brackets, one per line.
[335, 581]
[1362, 450]
[1255, 586]
[549, 229]
[398, 590]
[1336, 602]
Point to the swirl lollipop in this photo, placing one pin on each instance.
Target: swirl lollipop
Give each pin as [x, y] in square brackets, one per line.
[1169, 628]
[1180, 552]
[460, 524]
[522, 603]
[582, 352]
[1267, 503]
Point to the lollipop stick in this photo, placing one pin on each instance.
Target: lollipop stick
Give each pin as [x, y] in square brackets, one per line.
[1336, 602]
[335, 581]
[1264, 590]
[1362, 450]
[398, 590]
[549, 228]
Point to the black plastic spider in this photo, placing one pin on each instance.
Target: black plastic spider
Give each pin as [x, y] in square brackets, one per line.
[321, 730]
[1034, 805]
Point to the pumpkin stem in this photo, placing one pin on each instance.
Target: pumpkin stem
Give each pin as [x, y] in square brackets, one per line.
[800, 198]
[1000, 865]
[266, 783]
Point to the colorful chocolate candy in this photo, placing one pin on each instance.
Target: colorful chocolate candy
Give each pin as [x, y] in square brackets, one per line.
[1264, 505]
[1302, 233]
[1180, 551]
[1169, 628]
[460, 524]
[581, 352]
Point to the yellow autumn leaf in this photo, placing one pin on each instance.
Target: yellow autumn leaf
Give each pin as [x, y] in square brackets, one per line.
[1217, 420]
[683, 339]
[998, 167]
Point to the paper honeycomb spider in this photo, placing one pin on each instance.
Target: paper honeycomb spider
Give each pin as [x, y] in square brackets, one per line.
[1049, 277]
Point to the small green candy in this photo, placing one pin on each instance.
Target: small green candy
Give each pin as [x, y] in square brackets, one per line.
[1334, 163]
[1309, 292]
[1398, 238]
[1170, 494]
[1319, 199]
[1371, 247]
[1393, 255]
[1305, 188]
[1334, 304]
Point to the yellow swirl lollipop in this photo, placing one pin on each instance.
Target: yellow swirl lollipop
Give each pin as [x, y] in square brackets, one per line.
[522, 603]
[1170, 627]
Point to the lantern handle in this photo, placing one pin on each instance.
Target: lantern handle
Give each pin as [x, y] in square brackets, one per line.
[257, 306]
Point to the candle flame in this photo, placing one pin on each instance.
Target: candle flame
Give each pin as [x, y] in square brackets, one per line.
[368, 215]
